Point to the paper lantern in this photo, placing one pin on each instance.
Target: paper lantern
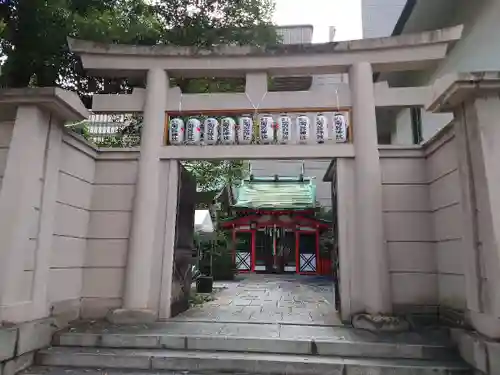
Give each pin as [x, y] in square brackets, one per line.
[283, 131]
[211, 131]
[228, 131]
[340, 128]
[193, 131]
[321, 128]
[245, 130]
[176, 131]
[266, 129]
[303, 125]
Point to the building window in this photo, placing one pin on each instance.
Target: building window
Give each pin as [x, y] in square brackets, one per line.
[416, 125]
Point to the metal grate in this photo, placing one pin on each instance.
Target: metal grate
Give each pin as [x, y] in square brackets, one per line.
[111, 130]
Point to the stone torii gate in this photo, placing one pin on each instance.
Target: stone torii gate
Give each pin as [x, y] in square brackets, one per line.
[365, 283]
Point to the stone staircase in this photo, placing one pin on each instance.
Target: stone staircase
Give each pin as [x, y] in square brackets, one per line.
[214, 348]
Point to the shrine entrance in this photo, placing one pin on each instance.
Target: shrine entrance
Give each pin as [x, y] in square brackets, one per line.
[274, 233]
[259, 124]
[279, 247]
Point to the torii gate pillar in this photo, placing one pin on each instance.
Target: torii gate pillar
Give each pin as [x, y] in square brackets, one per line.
[370, 242]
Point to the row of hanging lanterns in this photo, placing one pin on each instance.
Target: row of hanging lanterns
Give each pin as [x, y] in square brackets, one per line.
[229, 132]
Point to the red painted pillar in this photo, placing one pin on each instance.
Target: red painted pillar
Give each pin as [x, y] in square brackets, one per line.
[252, 266]
[234, 246]
[297, 257]
[318, 260]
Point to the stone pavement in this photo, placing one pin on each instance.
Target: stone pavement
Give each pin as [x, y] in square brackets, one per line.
[284, 299]
[280, 325]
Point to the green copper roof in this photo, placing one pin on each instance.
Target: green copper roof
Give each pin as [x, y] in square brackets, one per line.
[268, 193]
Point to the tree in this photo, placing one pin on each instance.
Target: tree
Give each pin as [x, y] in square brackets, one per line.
[215, 175]
[33, 34]
[33, 38]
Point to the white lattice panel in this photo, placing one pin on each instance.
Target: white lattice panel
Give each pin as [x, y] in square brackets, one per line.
[307, 263]
[243, 261]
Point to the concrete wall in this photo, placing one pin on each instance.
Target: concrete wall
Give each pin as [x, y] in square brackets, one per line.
[402, 133]
[408, 227]
[380, 16]
[26, 286]
[422, 213]
[473, 52]
[432, 123]
[108, 231]
[92, 221]
[445, 205]
[6, 127]
[76, 176]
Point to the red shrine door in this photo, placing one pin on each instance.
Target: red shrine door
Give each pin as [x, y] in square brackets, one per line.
[307, 251]
[244, 250]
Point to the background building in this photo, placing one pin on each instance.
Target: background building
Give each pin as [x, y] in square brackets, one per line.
[477, 51]
[380, 16]
[301, 34]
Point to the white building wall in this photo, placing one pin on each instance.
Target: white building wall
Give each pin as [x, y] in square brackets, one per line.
[380, 16]
[476, 51]
[402, 132]
[434, 122]
[479, 48]
[295, 34]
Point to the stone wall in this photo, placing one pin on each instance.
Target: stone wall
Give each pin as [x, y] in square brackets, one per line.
[93, 216]
[76, 215]
[445, 205]
[18, 343]
[6, 128]
[74, 192]
[108, 235]
[408, 228]
[422, 213]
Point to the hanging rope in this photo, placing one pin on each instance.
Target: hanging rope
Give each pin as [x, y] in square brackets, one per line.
[256, 109]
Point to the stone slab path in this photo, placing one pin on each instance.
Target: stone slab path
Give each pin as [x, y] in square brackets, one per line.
[294, 300]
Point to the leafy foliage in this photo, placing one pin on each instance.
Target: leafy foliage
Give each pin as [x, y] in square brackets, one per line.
[33, 39]
[215, 175]
[216, 257]
[33, 36]
[327, 240]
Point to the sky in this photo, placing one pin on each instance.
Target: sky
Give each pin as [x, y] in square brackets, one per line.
[345, 15]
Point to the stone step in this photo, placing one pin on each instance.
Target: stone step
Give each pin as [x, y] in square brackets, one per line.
[251, 363]
[47, 370]
[271, 338]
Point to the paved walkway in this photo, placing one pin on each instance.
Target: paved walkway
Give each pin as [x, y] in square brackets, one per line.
[264, 313]
[298, 300]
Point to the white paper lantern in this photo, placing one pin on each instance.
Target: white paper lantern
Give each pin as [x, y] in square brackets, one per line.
[211, 131]
[340, 127]
[266, 129]
[284, 129]
[193, 131]
[321, 128]
[303, 125]
[245, 130]
[228, 131]
[176, 131]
